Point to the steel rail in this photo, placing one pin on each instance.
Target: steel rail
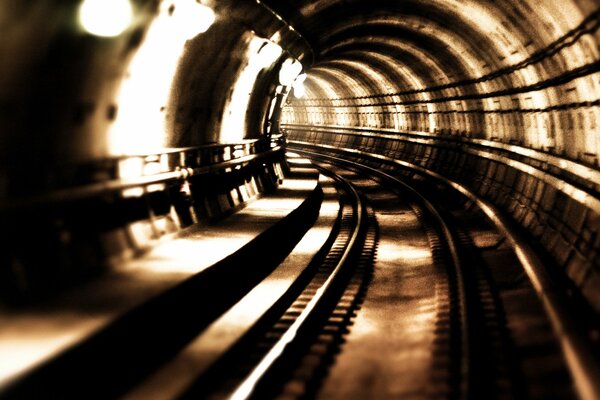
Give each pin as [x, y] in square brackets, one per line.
[450, 241]
[245, 389]
[575, 346]
[574, 167]
[581, 193]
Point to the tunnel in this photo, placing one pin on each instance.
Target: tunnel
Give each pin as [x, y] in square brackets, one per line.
[332, 199]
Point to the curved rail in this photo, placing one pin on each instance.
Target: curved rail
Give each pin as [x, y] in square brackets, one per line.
[245, 388]
[451, 243]
[575, 346]
[506, 152]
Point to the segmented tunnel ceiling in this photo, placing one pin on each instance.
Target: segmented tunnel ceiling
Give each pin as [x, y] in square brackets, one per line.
[515, 71]
[523, 72]
[388, 46]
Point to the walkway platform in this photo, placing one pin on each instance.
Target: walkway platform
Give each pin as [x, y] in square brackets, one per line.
[32, 338]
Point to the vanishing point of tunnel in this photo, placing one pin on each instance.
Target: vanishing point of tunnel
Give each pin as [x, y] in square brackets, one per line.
[296, 199]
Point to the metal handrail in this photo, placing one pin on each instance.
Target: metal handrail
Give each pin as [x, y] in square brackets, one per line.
[568, 182]
[575, 167]
[187, 164]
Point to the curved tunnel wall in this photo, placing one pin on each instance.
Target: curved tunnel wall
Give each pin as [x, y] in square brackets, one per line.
[108, 144]
[499, 80]
[69, 98]
[500, 96]
[478, 71]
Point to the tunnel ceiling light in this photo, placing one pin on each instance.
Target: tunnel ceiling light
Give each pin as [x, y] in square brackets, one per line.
[105, 18]
[290, 69]
[269, 53]
[193, 18]
[298, 86]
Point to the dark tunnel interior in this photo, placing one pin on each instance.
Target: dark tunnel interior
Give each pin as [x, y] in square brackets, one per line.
[114, 113]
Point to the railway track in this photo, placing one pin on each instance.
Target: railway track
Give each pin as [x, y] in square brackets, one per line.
[491, 332]
[486, 313]
[457, 374]
[413, 284]
[278, 355]
[480, 347]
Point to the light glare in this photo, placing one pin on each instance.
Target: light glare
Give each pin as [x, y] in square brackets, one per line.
[290, 69]
[298, 86]
[269, 53]
[105, 18]
[193, 18]
[140, 126]
[234, 123]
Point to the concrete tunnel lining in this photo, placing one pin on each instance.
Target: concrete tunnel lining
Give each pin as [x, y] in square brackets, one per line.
[449, 85]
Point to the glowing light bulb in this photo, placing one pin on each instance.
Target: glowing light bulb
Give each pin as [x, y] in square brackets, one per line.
[269, 53]
[298, 86]
[106, 18]
[290, 69]
[193, 18]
